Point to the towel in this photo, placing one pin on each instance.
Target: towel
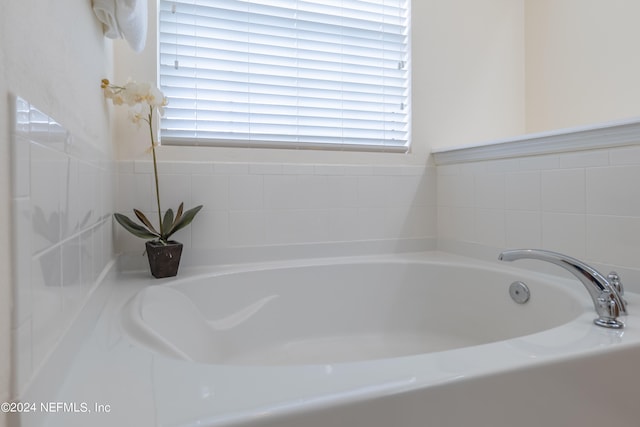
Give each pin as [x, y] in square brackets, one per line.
[132, 21]
[105, 10]
[124, 19]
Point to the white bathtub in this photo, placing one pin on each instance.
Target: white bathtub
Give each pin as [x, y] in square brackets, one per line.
[406, 340]
[340, 312]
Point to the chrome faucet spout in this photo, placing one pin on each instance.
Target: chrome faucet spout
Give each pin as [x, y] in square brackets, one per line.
[607, 301]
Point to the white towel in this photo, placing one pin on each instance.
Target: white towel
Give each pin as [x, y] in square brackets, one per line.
[132, 21]
[105, 10]
[124, 19]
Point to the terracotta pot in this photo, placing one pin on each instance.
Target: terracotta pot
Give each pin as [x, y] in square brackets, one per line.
[164, 260]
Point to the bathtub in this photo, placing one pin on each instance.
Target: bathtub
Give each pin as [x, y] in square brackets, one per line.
[423, 339]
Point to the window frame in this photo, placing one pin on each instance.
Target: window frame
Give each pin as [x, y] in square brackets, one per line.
[405, 147]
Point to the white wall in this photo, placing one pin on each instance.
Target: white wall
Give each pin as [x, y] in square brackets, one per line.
[469, 72]
[496, 69]
[53, 54]
[468, 85]
[581, 62]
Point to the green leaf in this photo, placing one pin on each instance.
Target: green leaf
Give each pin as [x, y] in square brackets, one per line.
[184, 220]
[133, 228]
[178, 214]
[167, 221]
[145, 221]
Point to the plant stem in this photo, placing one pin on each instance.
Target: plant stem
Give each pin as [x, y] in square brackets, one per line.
[155, 171]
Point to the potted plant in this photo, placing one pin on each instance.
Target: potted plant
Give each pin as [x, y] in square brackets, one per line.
[163, 254]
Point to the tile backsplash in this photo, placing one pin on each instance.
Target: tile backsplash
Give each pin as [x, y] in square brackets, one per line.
[273, 204]
[585, 204]
[62, 196]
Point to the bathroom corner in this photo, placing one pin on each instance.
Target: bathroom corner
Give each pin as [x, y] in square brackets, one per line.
[65, 157]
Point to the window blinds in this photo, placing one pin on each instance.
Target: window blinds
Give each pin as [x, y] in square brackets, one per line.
[286, 73]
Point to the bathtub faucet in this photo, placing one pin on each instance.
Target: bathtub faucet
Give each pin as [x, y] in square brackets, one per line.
[606, 296]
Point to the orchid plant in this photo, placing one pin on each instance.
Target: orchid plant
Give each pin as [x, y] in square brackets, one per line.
[143, 99]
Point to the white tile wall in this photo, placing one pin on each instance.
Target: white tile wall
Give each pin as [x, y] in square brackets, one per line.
[252, 204]
[62, 200]
[585, 204]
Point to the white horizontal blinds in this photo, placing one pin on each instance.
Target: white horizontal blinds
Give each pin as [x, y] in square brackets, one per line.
[308, 74]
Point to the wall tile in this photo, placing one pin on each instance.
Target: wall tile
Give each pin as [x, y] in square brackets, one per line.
[585, 204]
[490, 191]
[272, 204]
[46, 169]
[21, 244]
[246, 228]
[624, 156]
[342, 191]
[21, 167]
[456, 223]
[523, 229]
[388, 170]
[456, 190]
[564, 190]
[23, 352]
[213, 230]
[613, 190]
[405, 191]
[231, 168]
[69, 199]
[332, 170]
[63, 199]
[88, 271]
[490, 227]
[418, 222]
[299, 169]
[358, 170]
[536, 163]
[502, 165]
[46, 285]
[312, 192]
[372, 223]
[174, 189]
[88, 195]
[246, 192]
[296, 226]
[212, 191]
[71, 263]
[135, 191]
[584, 159]
[522, 191]
[613, 239]
[281, 192]
[265, 168]
[452, 169]
[343, 224]
[191, 168]
[373, 191]
[564, 233]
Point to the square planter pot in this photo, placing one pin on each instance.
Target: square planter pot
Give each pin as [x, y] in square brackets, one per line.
[164, 260]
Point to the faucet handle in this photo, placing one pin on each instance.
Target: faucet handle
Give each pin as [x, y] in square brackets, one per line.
[614, 280]
[608, 311]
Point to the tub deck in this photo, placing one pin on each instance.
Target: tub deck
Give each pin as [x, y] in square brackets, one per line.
[573, 374]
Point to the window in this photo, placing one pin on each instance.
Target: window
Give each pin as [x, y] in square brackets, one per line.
[286, 73]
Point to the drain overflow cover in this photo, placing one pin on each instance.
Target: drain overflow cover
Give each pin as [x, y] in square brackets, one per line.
[519, 292]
